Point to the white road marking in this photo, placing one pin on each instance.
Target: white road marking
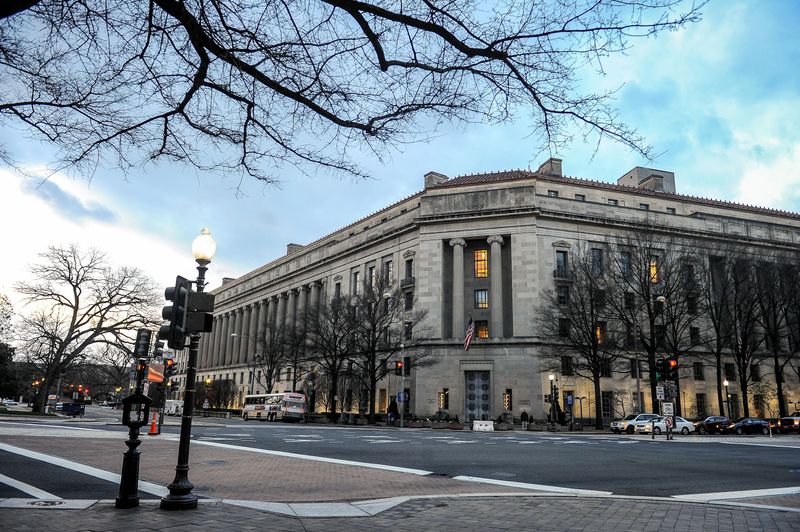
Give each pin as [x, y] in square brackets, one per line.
[527, 442]
[527, 486]
[452, 442]
[383, 467]
[33, 491]
[725, 495]
[147, 487]
[303, 440]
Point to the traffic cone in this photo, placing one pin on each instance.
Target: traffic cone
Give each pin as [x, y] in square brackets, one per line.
[154, 425]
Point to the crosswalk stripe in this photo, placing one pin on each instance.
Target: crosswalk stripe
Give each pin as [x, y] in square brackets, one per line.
[33, 491]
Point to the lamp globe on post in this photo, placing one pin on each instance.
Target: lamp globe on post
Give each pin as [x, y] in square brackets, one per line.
[180, 495]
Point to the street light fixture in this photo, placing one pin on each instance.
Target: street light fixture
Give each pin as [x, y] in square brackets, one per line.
[387, 296]
[552, 378]
[180, 495]
[727, 397]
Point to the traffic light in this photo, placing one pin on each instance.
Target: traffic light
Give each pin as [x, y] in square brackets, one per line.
[158, 352]
[398, 367]
[661, 369]
[672, 369]
[169, 368]
[199, 318]
[175, 331]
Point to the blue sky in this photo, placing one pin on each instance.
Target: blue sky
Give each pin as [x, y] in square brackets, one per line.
[719, 101]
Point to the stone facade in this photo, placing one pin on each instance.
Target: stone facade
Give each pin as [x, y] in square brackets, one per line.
[519, 219]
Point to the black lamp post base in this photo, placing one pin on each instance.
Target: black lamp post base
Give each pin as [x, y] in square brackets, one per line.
[127, 502]
[187, 501]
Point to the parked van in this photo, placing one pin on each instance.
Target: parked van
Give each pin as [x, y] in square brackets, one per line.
[173, 407]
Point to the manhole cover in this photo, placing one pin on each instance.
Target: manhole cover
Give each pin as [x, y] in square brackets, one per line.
[45, 503]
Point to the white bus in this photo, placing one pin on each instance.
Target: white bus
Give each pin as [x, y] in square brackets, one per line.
[274, 406]
[173, 407]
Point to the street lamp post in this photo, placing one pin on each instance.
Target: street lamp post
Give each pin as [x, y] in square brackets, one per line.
[727, 398]
[180, 495]
[552, 379]
[387, 296]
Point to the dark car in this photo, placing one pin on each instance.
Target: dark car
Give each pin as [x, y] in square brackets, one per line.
[748, 425]
[789, 423]
[712, 424]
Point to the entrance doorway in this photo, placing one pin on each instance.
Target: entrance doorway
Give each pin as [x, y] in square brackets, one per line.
[477, 403]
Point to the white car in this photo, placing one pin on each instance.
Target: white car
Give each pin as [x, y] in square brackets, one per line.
[10, 402]
[659, 425]
[628, 424]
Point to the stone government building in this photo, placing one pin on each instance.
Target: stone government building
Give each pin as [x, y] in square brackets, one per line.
[481, 246]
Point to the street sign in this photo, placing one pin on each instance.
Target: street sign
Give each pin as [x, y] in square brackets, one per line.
[402, 397]
[667, 409]
[569, 400]
[660, 392]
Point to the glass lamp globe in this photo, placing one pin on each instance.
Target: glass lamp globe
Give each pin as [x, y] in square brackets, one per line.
[204, 247]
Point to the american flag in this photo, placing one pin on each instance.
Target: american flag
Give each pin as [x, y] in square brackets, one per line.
[470, 334]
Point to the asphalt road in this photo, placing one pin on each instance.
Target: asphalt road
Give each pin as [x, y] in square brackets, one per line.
[623, 465]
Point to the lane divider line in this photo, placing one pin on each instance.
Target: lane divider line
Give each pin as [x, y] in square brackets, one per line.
[33, 491]
[147, 487]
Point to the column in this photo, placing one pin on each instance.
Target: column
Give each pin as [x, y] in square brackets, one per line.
[315, 294]
[302, 305]
[496, 286]
[252, 341]
[273, 310]
[244, 341]
[227, 339]
[458, 286]
[231, 356]
[262, 319]
[208, 342]
[217, 353]
[280, 314]
[291, 308]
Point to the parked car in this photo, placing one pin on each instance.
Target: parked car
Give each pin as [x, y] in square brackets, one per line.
[712, 424]
[628, 423]
[748, 425]
[9, 402]
[659, 425]
[789, 423]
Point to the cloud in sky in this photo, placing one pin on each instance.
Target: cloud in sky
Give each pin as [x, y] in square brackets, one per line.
[68, 205]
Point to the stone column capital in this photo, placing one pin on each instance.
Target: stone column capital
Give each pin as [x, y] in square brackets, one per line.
[495, 239]
[458, 242]
[304, 288]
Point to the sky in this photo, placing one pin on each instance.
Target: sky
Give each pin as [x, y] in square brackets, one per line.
[719, 101]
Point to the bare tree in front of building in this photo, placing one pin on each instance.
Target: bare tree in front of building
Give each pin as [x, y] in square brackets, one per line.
[222, 393]
[77, 301]
[385, 327]
[579, 324]
[330, 339]
[272, 352]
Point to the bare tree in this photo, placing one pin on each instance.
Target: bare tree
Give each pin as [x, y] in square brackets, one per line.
[237, 86]
[112, 364]
[385, 326]
[79, 301]
[6, 313]
[272, 348]
[579, 323]
[330, 337]
[222, 393]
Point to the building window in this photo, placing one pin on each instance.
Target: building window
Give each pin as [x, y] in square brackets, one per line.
[408, 299]
[562, 263]
[636, 368]
[371, 276]
[597, 261]
[653, 269]
[630, 300]
[566, 366]
[644, 206]
[599, 298]
[613, 202]
[694, 335]
[562, 295]
[337, 290]
[670, 210]
[552, 193]
[408, 330]
[481, 299]
[444, 399]
[600, 332]
[409, 268]
[563, 327]
[730, 372]
[700, 405]
[580, 197]
[388, 270]
[481, 263]
[691, 304]
[630, 335]
[482, 329]
[625, 264]
[699, 374]
[605, 367]
[356, 285]
[755, 372]
[607, 401]
[661, 334]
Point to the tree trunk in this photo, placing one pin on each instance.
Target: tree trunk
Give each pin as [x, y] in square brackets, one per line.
[598, 403]
[782, 410]
[651, 367]
[678, 403]
[373, 389]
[720, 397]
[745, 401]
[332, 393]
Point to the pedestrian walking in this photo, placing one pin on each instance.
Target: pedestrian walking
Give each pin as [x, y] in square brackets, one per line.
[524, 420]
[393, 413]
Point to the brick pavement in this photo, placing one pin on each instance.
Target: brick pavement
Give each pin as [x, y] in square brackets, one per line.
[440, 514]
